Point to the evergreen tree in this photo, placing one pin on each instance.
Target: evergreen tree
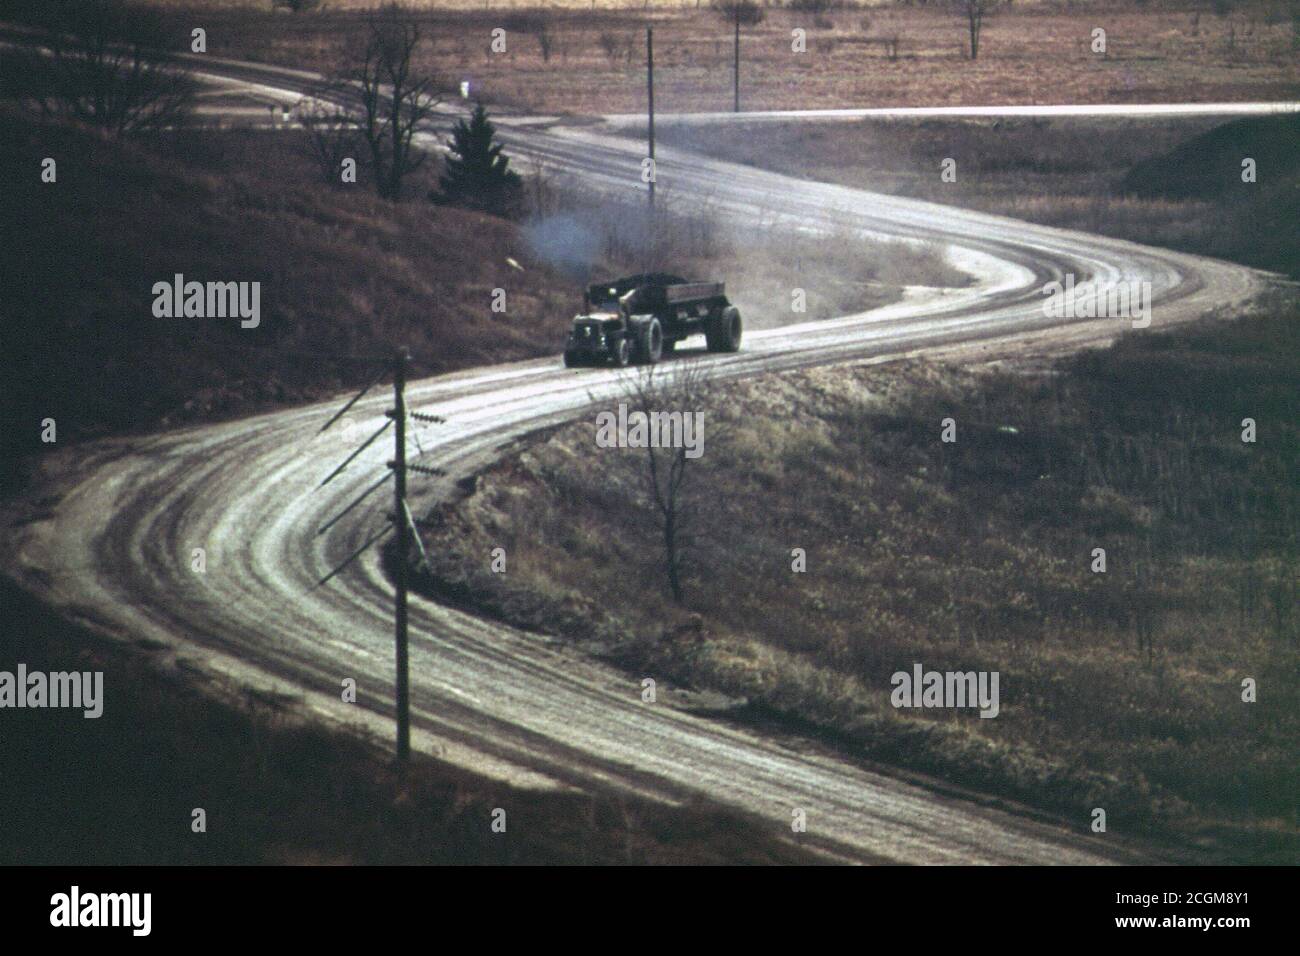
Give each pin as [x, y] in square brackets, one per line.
[476, 174]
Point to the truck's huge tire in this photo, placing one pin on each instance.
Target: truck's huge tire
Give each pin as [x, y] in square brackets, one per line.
[724, 330]
[571, 359]
[650, 344]
[621, 353]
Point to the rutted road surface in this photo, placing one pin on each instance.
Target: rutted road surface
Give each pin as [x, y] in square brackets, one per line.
[112, 545]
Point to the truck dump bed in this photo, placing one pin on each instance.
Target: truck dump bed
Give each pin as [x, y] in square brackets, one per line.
[693, 291]
[654, 290]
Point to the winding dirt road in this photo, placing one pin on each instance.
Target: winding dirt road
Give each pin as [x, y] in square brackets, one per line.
[111, 546]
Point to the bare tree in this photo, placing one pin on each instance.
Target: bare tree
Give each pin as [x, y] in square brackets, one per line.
[537, 23]
[976, 10]
[745, 13]
[332, 137]
[610, 44]
[395, 98]
[547, 190]
[105, 64]
[666, 395]
[545, 40]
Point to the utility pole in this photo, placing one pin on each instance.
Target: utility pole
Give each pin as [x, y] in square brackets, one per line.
[401, 520]
[403, 551]
[735, 76]
[650, 88]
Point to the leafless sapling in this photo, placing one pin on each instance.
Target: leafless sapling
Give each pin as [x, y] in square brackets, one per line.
[396, 98]
[976, 11]
[673, 399]
[332, 136]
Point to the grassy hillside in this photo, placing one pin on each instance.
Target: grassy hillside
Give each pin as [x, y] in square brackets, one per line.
[1257, 222]
[1210, 165]
[1120, 689]
[344, 276]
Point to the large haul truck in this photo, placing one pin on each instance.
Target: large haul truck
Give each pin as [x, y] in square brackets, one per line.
[641, 318]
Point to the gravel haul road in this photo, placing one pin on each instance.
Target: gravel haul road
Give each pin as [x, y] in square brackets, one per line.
[107, 538]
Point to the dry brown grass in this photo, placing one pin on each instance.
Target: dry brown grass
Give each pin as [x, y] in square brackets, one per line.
[1119, 690]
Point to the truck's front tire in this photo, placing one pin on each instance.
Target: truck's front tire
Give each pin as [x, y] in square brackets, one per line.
[724, 331]
[651, 345]
[621, 353]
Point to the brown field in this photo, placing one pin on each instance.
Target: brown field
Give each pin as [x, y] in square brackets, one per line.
[593, 61]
